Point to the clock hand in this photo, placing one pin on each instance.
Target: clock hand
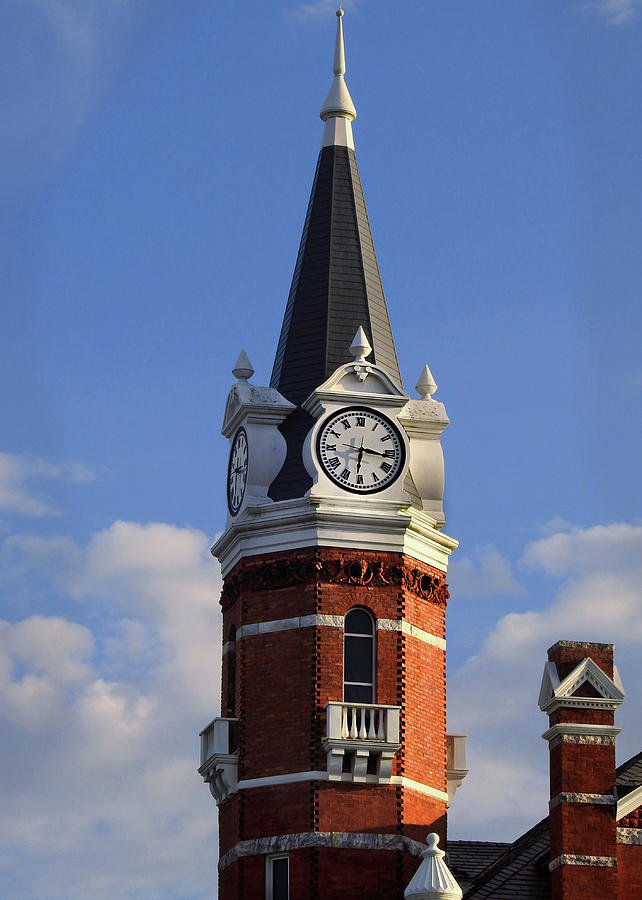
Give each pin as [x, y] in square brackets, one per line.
[360, 457]
[375, 452]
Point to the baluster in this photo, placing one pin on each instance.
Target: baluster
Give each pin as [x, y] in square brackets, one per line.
[344, 722]
[362, 730]
[353, 725]
[372, 734]
[381, 734]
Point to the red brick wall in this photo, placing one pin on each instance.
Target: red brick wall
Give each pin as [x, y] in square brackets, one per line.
[584, 883]
[629, 860]
[284, 680]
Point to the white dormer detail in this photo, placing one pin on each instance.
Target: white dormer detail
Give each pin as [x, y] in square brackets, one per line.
[555, 693]
[260, 411]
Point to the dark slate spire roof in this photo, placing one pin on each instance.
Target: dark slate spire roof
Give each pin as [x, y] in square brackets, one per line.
[336, 286]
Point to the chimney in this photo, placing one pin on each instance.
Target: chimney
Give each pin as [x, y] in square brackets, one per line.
[580, 691]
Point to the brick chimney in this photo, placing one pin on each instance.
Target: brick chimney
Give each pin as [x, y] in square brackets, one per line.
[580, 691]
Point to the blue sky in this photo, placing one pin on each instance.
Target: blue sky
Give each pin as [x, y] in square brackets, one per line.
[155, 165]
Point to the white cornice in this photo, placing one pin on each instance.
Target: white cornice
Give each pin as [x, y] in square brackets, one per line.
[580, 730]
[628, 803]
[350, 523]
[555, 693]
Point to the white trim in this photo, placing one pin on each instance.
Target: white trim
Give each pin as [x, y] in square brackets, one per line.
[576, 859]
[628, 803]
[580, 730]
[631, 836]
[570, 797]
[321, 620]
[412, 631]
[269, 861]
[293, 777]
[286, 843]
[339, 522]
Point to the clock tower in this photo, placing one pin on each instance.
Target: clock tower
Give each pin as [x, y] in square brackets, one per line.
[330, 761]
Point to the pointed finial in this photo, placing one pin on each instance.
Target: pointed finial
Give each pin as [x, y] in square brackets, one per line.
[339, 48]
[433, 880]
[360, 347]
[426, 386]
[243, 367]
[338, 110]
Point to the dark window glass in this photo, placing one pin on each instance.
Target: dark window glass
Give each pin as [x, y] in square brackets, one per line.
[358, 693]
[358, 622]
[358, 659]
[281, 879]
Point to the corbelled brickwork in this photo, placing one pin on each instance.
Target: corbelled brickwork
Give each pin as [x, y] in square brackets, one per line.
[283, 633]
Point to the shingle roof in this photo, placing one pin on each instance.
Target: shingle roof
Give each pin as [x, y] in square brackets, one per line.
[521, 871]
[336, 287]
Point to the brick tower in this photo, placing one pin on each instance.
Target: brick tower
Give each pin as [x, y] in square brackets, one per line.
[329, 763]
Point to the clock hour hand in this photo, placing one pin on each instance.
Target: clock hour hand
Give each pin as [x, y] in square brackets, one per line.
[374, 452]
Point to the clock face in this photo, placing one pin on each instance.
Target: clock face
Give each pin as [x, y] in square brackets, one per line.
[237, 471]
[360, 450]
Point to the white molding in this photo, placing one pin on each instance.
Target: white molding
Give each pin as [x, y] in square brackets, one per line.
[321, 620]
[632, 836]
[580, 730]
[576, 859]
[346, 523]
[570, 797]
[293, 777]
[412, 631]
[555, 693]
[285, 843]
[628, 803]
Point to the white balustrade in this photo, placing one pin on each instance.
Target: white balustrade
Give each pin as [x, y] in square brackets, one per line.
[363, 737]
[219, 759]
[363, 722]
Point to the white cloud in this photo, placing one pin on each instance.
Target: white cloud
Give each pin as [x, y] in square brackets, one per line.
[614, 12]
[488, 573]
[17, 474]
[99, 725]
[493, 697]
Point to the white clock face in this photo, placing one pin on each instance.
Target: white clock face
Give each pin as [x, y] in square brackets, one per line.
[360, 450]
[237, 471]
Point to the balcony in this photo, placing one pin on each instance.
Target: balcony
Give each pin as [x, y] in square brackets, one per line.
[219, 757]
[455, 762]
[361, 741]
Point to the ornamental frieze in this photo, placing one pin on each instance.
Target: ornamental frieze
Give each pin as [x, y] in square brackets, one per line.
[285, 573]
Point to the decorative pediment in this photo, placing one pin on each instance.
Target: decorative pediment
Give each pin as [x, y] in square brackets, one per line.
[586, 686]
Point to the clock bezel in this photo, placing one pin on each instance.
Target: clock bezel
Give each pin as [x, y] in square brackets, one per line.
[233, 510]
[375, 489]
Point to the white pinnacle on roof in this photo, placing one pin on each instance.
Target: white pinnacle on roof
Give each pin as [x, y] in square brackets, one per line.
[243, 367]
[426, 386]
[360, 347]
[338, 110]
[433, 879]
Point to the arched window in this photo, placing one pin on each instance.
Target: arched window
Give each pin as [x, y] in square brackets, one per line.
[230, 692]
[358, 657]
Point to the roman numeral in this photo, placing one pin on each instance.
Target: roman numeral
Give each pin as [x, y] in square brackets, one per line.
[390, 453]
[374, 427]
[345, 474]
[334, 462]
[359, 479]
[375, 477]
[361, 422]
[345, 423]
[386, 466]
[336, 433]
[386, 437]
[334, 447]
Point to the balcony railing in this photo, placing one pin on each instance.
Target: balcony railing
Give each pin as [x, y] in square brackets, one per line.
[219, 757]
[361, 740]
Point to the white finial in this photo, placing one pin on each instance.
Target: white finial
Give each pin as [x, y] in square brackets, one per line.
[360, 347]
[243, 367]
[339, 49]
[433, 880]
[338, 110]
[426, 386]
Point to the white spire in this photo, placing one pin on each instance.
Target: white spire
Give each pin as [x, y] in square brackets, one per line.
[433, 880]
[338, 111]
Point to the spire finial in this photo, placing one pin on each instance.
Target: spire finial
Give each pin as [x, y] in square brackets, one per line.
[339, 48]
[426, 386]
[360, 347]
[243, 367]
[338, 111]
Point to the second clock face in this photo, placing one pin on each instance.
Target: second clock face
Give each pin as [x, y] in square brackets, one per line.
[361, 450]
[237, 471]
